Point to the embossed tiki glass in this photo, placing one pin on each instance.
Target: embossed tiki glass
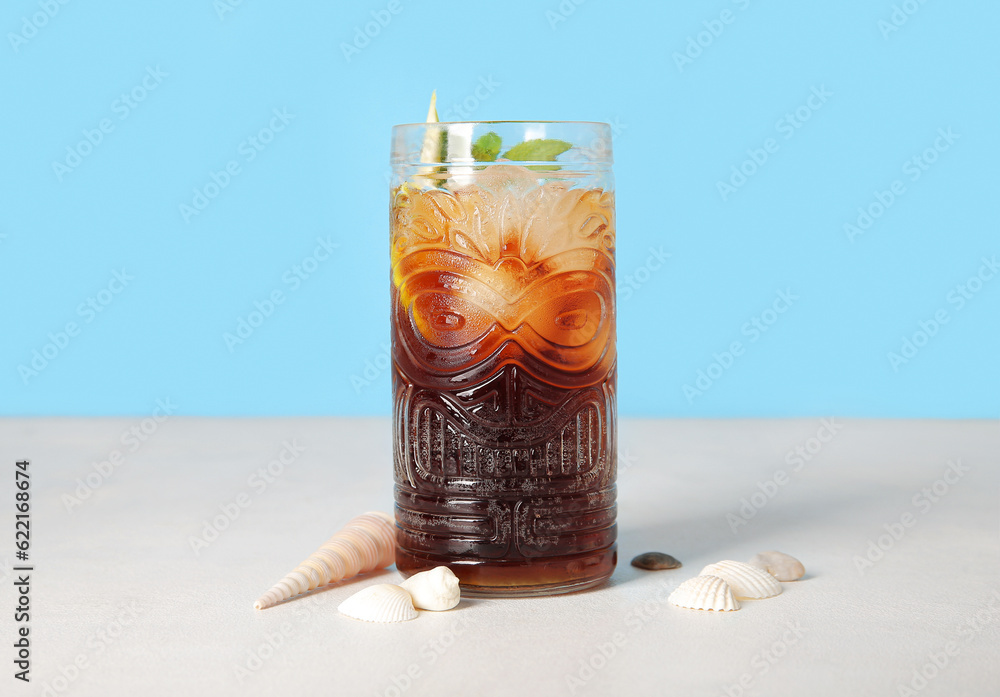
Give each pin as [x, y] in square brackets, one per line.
[503, 349]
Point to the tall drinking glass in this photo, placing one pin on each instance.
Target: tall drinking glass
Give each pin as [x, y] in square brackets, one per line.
[503, 348]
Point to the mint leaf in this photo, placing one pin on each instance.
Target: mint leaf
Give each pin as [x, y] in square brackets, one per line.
[443, 147]
[538, 150]
[486, 148]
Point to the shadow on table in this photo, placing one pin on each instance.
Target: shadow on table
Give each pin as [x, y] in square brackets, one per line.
[728, 534]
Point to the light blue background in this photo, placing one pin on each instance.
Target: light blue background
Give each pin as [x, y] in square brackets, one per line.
[681, 131]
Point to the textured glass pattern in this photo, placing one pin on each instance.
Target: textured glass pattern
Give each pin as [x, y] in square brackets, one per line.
[503, 318]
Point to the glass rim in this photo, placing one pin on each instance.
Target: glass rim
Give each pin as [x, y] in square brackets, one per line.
[588, 141]
[417, 124]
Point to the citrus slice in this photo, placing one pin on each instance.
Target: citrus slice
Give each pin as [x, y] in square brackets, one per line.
[435, 143]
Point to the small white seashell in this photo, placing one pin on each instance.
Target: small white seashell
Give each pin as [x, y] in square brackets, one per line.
[745, 580]
[705, 593]
[782, 566]
[382, 602]
[436, 589]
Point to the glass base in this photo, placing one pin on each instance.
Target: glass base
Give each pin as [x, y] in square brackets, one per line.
[519, 578]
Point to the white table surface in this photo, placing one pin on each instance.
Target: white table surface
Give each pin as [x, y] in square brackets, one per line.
[118, 589]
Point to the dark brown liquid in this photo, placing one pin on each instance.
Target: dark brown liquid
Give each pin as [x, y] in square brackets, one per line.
[504, 394]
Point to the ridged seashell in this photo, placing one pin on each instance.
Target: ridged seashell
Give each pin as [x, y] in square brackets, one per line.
[745, 580]
[705, 593]
[366, 543]
[382, 602]
[782, 566]
[436, 589]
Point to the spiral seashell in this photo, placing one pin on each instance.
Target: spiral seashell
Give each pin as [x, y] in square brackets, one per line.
[745, 580]
[704, 593]
[382, 602]
[435, 590]
[366, 543]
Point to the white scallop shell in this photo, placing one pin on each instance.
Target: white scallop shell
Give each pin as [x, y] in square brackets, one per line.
[745, 580]
[382, 602]
[782, 566]
[705, 593]
[436, 589]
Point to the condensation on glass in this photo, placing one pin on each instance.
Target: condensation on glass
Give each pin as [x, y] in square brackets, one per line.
[503, 349]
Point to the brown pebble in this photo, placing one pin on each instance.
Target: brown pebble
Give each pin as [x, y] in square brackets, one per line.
[655, 561]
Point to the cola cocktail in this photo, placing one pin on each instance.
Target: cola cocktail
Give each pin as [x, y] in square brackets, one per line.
[503, 349]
